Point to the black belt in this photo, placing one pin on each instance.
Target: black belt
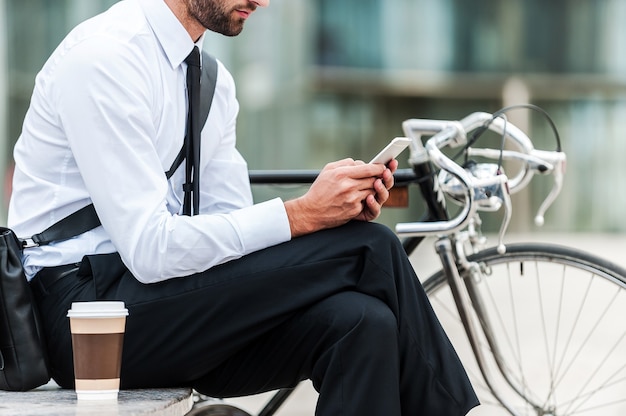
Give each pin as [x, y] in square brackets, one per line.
[46, 277]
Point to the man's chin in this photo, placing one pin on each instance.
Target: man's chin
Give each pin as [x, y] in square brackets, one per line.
[233, 29]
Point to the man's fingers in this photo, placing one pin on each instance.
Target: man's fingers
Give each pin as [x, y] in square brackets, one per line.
[373, 206]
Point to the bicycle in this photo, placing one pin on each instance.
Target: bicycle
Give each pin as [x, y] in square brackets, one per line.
[542, 320]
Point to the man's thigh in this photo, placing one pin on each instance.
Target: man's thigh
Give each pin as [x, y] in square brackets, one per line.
[300, 348]
[180, 329]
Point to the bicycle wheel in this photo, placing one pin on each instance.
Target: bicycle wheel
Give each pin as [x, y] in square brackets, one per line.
[214, 409]
[558, 319]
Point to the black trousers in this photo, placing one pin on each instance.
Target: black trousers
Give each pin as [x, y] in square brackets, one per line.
[341, 307]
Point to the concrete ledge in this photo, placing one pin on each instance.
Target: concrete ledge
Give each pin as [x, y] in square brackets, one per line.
[51, 400]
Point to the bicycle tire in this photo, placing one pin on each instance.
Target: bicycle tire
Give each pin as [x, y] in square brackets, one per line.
[559, 320]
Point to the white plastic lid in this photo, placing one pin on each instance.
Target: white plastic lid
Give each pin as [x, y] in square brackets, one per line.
[97, 309]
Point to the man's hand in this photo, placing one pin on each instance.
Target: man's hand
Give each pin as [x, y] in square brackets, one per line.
[344, 190]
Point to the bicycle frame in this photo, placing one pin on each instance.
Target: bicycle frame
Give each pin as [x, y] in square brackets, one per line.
[448, 247]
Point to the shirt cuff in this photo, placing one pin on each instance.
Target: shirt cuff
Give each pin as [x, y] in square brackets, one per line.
[262, 225]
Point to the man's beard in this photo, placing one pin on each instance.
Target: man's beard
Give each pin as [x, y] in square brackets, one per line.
[216, 16]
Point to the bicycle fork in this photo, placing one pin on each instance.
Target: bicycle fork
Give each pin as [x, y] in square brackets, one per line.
[462, 293]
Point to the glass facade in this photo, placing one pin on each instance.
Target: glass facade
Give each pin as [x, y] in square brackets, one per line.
[320, 80]
[485, 36]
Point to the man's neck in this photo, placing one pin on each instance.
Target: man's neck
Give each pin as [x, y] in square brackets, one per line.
[191, 24]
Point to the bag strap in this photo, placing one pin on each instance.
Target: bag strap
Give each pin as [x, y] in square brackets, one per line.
[83, 220]
[86, 218]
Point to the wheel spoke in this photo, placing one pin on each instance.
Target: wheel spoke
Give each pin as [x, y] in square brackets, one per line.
[543, 314]
[589, 336]
[568, 342]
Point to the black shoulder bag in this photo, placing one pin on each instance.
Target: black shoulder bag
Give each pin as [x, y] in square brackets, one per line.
[23, 358]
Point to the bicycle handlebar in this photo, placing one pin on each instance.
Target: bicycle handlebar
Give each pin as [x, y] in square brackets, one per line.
[452, 134]
[415, 128]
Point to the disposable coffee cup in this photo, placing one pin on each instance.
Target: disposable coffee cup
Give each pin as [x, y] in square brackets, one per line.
[97, 337]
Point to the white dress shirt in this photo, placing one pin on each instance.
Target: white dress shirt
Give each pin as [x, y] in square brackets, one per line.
[106, 120]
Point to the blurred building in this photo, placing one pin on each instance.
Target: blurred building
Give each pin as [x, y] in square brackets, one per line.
[320, 80]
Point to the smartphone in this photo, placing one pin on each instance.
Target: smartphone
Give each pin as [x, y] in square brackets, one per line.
[393, 149]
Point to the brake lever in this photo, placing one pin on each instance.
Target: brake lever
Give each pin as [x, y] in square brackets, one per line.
[559, 162]
[505, 195]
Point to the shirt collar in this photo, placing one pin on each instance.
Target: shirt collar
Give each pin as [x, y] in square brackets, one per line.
[168, 30]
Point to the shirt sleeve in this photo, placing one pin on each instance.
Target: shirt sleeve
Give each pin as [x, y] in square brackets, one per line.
[110, 126]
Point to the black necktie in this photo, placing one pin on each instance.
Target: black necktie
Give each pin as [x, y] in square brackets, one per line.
[192, 136]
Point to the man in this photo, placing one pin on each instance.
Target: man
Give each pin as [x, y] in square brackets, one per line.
[239, 298]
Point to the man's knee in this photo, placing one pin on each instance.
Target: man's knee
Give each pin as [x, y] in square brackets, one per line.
[375, 237]
[360, 317]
